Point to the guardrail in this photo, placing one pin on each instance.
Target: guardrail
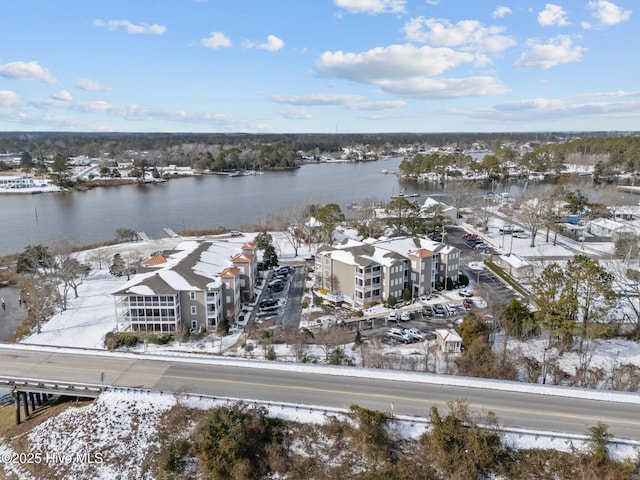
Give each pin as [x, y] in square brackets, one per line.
[517, 438]
[52, 387]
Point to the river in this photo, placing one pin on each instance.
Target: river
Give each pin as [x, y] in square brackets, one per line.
[192, 203]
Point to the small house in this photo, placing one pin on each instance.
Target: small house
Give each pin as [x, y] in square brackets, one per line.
[449, 340]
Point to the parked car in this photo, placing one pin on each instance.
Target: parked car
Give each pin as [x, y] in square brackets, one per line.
[235, 233]
[399, 335]
[439, 310]
[283, 270]
[269, 302]
[468, 304]
[482, 246]
[427, 311]
[405, 316]
[417, 334]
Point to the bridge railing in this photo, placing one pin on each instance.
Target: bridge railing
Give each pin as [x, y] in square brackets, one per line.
[49, 386]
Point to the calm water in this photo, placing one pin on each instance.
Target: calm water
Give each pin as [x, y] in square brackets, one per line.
[187, 203]
[201, 202]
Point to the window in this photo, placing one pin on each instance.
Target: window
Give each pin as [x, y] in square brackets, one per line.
[194, 310]
[192, 295]
[228, 299]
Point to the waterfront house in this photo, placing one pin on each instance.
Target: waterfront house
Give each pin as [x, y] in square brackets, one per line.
[194, 286]
[15, 182]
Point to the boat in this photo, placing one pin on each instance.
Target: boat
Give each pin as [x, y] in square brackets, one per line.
[385, 171]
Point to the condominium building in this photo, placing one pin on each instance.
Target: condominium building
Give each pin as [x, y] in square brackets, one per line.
[194, 286]
[368, 272]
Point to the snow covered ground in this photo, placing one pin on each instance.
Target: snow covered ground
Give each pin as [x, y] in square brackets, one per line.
[92, 315]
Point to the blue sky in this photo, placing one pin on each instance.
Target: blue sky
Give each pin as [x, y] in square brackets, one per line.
[288, 66]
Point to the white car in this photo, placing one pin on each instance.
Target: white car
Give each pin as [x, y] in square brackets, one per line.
[393, 316]
[405, 316]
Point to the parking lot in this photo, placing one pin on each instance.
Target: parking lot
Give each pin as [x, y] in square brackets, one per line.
[281, 298]
[379, 326]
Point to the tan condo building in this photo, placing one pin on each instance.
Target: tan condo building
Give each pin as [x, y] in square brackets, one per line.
[364, 273]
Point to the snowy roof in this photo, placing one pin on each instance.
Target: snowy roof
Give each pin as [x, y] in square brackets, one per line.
[448, 335]
[431, 202]
[193, 265]
[514, 260]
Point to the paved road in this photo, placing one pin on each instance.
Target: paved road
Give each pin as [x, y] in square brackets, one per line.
[293, 310]
[309, 385]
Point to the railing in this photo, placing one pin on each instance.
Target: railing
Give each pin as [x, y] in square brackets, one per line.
[49, 386]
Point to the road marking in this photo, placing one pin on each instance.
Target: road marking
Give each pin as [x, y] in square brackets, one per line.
[396, 398]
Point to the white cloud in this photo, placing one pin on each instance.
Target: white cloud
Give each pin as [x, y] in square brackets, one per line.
[130, 27]
[616, 94]
[27, 71]
[216, 40]
[553, 16]
[501, 11]
[549, 108]
[608, 13]
[404, 70]
[433, 2]
[317, 99]
[558, 51]
[90, 85]
[422, 87]
[586, 25]
[372, 6]
[394, 61]
[62, 95]
[468, 34]
[273, 44]
[9, 98]
[298, 114]
[351, 102]
[377, 105]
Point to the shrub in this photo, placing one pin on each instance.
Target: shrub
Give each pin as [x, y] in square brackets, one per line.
[271, 354]
[162, 339]
[239, 442]
[120, 339]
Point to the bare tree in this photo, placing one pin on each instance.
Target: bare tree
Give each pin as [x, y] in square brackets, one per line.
[533, 212]
[292, 226]
[297, 341]
[460, 193]
[42, 298]
[98, 257]
[373, 354]
[72, 273]
[369, 225]
[484, 213]
[331, 339]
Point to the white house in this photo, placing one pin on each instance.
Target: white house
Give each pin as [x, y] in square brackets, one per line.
[603, 227]
[449, 340]
[447, 210]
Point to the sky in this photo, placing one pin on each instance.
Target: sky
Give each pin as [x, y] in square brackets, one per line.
[319, 66]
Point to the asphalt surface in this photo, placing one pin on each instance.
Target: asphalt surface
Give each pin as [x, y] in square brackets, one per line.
[311, 385]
